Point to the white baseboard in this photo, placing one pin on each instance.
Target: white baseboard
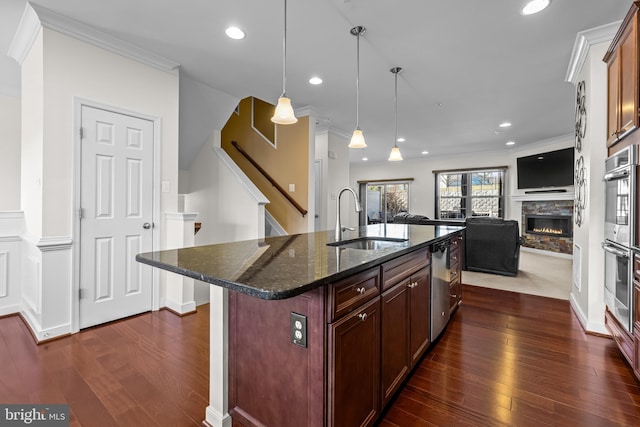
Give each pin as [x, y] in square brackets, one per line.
[9, 310]
[215, 419]
[188, 307]
[594, 327]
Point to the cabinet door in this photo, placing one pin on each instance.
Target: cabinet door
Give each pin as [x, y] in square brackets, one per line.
[613, 85]
[420, 315]
[628, 59]
[354, 368]
[395, 356]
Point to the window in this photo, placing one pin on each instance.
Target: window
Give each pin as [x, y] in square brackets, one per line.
[463, 194]
[382, 200]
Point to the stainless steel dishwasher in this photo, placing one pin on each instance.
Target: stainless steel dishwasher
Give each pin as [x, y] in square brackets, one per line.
[440, 312]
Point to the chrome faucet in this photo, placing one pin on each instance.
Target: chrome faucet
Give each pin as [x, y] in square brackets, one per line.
[339, 227]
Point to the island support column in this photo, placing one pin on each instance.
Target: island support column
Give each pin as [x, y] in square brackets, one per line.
[217, 414]
[180, 297]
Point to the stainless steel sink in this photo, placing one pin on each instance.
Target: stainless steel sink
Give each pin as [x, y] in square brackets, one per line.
[369, 243]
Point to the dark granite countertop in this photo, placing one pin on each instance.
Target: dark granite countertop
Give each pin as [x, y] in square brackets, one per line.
[286, 266]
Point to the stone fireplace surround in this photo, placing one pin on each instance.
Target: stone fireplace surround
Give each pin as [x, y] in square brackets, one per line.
[547, 242]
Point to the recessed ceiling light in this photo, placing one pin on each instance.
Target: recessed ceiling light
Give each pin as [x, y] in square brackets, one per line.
[535, 6]
[425, 152]
[401, 139]
[504, 124]
[315, 80]
[234, 33]
[511, 143]
[364, 159]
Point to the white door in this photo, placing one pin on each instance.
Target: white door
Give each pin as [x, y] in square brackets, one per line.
[116, 201]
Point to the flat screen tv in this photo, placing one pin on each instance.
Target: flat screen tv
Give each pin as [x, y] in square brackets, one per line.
[546, 170]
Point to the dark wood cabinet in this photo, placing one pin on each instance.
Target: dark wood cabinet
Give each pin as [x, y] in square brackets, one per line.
[395, 356]
[405, 329]
[636, 315]
[622, 83]
[419, 315]
[354, 367]
[455, 273]
[364, 335]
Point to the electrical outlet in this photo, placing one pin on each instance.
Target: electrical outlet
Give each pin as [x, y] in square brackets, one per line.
[299, 329]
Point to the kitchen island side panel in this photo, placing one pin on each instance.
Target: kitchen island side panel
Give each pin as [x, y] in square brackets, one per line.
[273, 382]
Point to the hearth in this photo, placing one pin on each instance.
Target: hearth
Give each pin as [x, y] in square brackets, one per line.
[549, 225]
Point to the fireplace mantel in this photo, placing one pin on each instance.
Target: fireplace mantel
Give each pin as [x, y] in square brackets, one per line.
[535, 197]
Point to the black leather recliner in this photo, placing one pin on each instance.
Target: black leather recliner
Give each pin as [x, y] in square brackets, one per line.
[493, 245]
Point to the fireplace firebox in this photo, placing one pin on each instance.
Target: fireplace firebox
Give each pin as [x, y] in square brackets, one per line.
[550, 225]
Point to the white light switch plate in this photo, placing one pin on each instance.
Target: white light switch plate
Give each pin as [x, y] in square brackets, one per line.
[166, 187]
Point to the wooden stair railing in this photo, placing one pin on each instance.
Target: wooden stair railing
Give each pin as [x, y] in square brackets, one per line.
[271, 180]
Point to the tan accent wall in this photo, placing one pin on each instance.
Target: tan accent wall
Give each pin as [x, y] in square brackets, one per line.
[286, 162]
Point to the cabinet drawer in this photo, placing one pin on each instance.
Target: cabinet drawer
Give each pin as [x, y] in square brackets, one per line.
[454, 293]
[396, 270]
[348, 294]
[456, 243]
[621, 336]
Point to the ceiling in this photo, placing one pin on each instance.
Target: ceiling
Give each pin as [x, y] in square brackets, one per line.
[468, 65]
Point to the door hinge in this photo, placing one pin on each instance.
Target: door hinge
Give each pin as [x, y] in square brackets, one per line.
[81, 213]
[81, 132]
[80, 293]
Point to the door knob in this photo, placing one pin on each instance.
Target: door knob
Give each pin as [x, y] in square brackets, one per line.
[146, 226]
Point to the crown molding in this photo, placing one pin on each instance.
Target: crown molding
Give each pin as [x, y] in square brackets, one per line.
[584, 40]
[34, 17]
[25, 35]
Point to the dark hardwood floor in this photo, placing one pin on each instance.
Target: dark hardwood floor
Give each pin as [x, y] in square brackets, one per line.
[147, 370]
[506, 359]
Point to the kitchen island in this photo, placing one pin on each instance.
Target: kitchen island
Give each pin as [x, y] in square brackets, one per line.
[321, 332]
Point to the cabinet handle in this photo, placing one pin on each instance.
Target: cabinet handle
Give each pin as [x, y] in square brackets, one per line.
[361, 290]
[362, 316]
[455, 258]
[454, 296]
[412, 285]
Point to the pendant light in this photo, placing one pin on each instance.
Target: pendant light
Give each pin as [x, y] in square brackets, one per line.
[357, 139]
[395, 155]
[284, 112]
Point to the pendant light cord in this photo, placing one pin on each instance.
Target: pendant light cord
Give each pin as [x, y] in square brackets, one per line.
[284, 53]
[395, 139]
[358, 81]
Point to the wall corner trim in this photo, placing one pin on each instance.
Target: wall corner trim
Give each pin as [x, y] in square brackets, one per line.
[584, 40]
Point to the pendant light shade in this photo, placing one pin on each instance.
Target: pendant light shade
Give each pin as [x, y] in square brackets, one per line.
[357, 139]
[284, 112]
[395, 155]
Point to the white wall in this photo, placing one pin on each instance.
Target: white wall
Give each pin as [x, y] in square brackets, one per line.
[587, 296]
[227, 211]
[10, 153]
[229, 206]
[422, 189]
[56, 71]
[11, 227]
[73, 68]
[338, 176]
